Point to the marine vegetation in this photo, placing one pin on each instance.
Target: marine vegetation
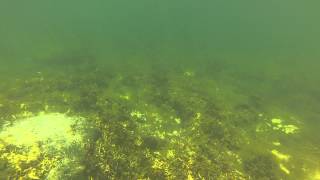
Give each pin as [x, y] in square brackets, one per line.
[95, 122]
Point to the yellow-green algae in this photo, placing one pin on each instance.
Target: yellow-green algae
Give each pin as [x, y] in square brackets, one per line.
[277, 124]
[282, 158]
[284, 168]
[280, 155]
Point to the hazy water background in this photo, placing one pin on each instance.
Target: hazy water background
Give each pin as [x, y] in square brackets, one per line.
[259, 32]
[269, 49]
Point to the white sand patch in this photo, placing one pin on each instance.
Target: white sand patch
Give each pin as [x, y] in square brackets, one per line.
[55, 127]
[41, 142]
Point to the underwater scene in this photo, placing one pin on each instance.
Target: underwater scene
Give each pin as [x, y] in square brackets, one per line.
[152, 90]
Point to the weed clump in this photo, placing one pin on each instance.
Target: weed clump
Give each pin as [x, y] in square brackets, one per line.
[261, 167]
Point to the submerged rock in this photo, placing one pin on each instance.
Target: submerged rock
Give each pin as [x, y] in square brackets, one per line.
[34, 147]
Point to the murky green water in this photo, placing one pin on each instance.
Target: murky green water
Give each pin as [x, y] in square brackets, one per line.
[159, 90]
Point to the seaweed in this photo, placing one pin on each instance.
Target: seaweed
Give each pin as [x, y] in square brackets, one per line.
[153, 143]
[145, 125]
[261, 166]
